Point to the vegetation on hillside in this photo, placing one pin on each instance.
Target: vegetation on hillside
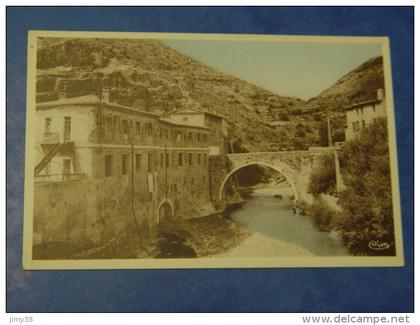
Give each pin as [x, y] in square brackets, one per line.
[367, 215]
[158, 79]
[367, 199]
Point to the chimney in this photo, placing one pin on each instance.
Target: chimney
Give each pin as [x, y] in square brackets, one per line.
[62, 93]
[106, 94]
[380, 94]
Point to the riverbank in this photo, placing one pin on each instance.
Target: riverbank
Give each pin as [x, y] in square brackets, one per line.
[206, 236]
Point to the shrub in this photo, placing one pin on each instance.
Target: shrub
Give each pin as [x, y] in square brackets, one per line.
[300, 133]
[324, 217]
[283, 117]
[367, 199]
[322, 179]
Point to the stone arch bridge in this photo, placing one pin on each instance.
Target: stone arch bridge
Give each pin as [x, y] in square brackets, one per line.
[296, 166]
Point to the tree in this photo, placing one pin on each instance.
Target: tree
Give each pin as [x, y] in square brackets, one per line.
[323, 134]
[367, 199]
[322, 179]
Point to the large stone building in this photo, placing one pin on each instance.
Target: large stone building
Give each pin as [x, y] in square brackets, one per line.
[360, 115]
[104, 170]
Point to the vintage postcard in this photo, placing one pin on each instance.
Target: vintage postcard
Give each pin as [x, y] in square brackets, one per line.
[149, 150]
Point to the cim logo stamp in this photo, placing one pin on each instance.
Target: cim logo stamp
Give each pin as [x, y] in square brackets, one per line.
[378, 245]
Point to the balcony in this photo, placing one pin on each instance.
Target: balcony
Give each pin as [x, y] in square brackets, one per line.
[50, 138]
[59, 178]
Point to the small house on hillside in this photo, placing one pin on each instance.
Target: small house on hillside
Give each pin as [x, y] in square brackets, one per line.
[360, 115]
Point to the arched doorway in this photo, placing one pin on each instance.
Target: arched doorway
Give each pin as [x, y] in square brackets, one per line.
[283, 170]
[165, 211]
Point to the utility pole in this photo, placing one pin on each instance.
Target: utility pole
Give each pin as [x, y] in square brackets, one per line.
[338, 179]
[330, 142]
[133, 211]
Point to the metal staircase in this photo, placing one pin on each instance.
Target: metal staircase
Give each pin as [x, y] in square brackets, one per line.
[50, 154]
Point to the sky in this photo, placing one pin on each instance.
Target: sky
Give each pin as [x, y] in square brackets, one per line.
[297, 69]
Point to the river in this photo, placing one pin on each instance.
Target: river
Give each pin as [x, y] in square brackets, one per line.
[277, 231]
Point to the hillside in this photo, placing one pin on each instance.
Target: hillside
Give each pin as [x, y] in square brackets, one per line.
[157, 78]
[358, 85]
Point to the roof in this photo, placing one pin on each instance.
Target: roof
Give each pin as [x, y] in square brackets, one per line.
[367, 102]
[89, 100]
[193, 111]
[183, 124]
[93, 100]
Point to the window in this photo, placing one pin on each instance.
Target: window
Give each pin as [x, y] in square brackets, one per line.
[108, 165]
[205, 159]
[357, 126]
[67, 128]
[67, 166]
[373, 108]
[116, 124]
[180, 159]
[363, 124]
[198, 137]
[149, 162]
[138, 128]
[125, 126]
[190, 136]
[149, 130]
[138, 162]
[167, 160]
[173, 159]
[47, 126]
[199, 158]
[109, 125]
[192, 180]
[190, 159]
[124, 164]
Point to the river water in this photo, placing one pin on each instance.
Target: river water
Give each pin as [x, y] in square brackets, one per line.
[273, 218]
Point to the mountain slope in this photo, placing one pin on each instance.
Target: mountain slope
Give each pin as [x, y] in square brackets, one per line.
[157, 78]
[358, 85]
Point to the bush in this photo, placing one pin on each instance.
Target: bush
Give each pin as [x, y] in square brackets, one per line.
[300, 133]
[283, 117]
[322, 179]
[324, 217]
[367, 199]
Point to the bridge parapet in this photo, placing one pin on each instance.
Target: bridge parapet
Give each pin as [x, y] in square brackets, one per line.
[296, 166]
[294, 160]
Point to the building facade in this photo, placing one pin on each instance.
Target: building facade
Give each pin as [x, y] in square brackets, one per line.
[360, 115]
[106, 171]
[213, 122]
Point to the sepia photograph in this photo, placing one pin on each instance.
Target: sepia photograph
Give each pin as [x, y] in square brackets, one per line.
[148, 150]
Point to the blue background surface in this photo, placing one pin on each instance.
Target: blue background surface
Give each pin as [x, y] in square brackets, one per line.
[279, 290]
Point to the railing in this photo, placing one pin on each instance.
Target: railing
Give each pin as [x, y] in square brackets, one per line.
[59, 178]
[50, 138]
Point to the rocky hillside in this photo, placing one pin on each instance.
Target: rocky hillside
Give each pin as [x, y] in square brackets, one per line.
[157, 78]
[358, 85]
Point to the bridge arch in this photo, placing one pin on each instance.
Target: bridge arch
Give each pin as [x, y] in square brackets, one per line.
[165, 210]
[281, 168]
